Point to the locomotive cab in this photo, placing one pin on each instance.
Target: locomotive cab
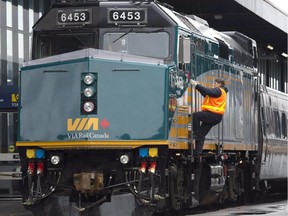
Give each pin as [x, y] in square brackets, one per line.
[112, 26]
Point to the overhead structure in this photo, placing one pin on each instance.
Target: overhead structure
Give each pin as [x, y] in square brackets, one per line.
[260, 20]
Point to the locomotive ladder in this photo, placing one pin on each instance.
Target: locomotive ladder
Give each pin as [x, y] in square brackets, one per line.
[193, 173]
[220, 143]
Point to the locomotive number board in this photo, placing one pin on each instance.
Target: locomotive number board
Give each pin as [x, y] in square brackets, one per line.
[127, 15]
[74, 16]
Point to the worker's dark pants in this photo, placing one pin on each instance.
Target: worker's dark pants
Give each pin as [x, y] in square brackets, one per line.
[203, 121]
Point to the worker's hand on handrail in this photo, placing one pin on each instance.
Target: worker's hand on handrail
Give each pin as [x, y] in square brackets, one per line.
[193, 82]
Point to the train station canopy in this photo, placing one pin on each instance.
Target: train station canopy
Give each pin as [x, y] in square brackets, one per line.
[260, 19]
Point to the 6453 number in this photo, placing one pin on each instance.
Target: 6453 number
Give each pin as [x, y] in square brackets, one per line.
[70, 17]
[126, 15]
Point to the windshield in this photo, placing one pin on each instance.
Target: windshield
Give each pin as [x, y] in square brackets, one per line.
[144, 44]
[54, 44]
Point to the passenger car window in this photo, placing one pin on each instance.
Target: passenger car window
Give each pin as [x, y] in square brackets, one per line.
[284, 125]
[277, 124]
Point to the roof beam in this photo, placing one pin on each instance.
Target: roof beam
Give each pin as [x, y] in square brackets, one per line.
[267, 11]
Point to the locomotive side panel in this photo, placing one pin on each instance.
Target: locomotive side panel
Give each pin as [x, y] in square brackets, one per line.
[240, 119]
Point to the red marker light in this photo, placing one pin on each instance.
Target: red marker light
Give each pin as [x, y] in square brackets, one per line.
[143, 167]
[40, 168]
[152, 167]
[30, 169]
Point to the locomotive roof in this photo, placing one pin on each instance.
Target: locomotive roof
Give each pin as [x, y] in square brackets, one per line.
[234, 40]
[95, 53]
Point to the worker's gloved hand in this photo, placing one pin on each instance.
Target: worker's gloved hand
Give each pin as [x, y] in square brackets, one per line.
[193, 82]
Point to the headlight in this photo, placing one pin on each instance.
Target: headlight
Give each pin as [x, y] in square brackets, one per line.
[88, 79]
[124, 159]
[89, 92]
[55, 159]
[88, 106]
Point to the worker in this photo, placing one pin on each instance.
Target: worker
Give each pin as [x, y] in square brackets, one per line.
[213, 109]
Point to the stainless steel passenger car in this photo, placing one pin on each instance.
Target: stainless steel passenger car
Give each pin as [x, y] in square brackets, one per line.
[274, 115]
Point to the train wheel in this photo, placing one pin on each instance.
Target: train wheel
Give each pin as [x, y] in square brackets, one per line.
[176, 189]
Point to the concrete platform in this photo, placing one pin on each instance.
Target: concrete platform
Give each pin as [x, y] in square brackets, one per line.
[278, 208]
[13, 207]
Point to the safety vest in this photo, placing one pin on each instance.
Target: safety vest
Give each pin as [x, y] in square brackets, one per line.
[215, 105]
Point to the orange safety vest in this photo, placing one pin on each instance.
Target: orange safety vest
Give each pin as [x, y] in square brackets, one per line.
[215, 105]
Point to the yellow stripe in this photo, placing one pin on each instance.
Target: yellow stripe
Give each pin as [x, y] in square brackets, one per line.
[130, 144]
[93, 144]
[178, 145]
[232, 147]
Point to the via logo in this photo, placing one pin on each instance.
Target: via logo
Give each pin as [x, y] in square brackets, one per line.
[85, 124]
[80, 124]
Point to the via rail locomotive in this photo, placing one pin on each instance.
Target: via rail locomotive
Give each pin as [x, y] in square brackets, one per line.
[105, 113]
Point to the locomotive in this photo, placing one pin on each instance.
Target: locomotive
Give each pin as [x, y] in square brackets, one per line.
[106, 110]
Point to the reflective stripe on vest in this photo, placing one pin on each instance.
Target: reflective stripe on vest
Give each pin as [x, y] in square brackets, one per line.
[215, 105]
